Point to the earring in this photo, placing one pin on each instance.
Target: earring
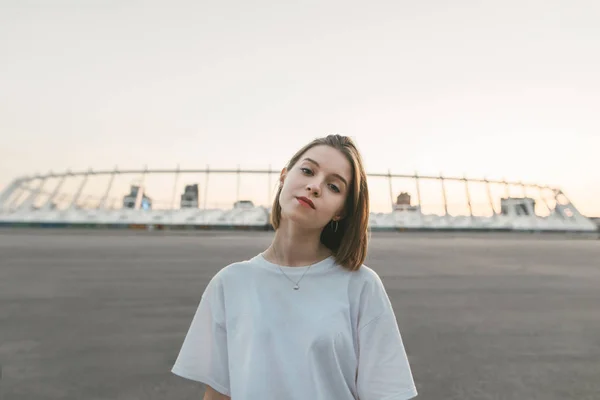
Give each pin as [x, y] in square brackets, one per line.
[336, 225]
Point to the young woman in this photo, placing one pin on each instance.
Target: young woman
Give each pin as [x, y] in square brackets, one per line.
[305, 319]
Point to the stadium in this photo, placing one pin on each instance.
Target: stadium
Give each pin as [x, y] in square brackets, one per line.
[179, 199]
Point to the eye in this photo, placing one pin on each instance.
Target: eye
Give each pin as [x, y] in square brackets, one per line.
[334, 188]
[306, 169]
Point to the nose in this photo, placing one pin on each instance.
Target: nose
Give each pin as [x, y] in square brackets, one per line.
[313, 188]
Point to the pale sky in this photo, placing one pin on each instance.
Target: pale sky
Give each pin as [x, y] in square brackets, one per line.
[504, 89]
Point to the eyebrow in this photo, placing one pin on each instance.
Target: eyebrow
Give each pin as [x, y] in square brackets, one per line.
[341, 178]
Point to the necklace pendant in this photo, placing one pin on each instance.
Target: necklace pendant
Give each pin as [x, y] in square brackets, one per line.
[296, 287]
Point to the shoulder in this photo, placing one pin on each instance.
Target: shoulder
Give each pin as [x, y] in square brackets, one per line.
[366, 278]
[227, 276]
[368, 291]
[367, 273]
[232, 271]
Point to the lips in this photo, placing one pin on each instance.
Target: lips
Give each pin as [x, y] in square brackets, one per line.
[306, 201]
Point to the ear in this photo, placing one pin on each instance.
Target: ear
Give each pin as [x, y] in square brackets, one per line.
[282, 175]
[339, 215]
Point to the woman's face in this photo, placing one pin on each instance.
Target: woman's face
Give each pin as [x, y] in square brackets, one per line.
[322, 176]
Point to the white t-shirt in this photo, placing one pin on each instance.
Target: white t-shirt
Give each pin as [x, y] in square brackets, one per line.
[254, 337]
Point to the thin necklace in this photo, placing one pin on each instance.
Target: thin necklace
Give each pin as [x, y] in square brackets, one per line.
[296, 284]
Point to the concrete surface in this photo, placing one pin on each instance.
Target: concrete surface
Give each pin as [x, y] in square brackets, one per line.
[102, 314]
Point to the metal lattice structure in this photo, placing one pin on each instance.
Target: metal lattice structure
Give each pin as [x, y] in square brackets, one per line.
[484, 205]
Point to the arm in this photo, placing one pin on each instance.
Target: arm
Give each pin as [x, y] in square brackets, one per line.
[383, 368]
[212, 394]
[204, 355]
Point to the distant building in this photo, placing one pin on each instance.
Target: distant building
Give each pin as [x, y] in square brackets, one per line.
[403, 203]
[243, 204]
[129, 200]
[190, 197]
[517, 206]
[403, 198]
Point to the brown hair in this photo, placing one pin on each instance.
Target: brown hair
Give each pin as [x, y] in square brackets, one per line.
[349, 244]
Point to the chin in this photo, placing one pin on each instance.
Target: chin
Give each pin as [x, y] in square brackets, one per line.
[292, 214]
[299, 217]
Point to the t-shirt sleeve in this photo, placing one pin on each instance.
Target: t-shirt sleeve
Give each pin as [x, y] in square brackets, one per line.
[384, 372]
[203, 356]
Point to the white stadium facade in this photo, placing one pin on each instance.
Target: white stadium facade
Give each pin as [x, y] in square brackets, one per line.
[486, 205]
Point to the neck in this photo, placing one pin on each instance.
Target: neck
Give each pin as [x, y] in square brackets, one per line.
[295, 247]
